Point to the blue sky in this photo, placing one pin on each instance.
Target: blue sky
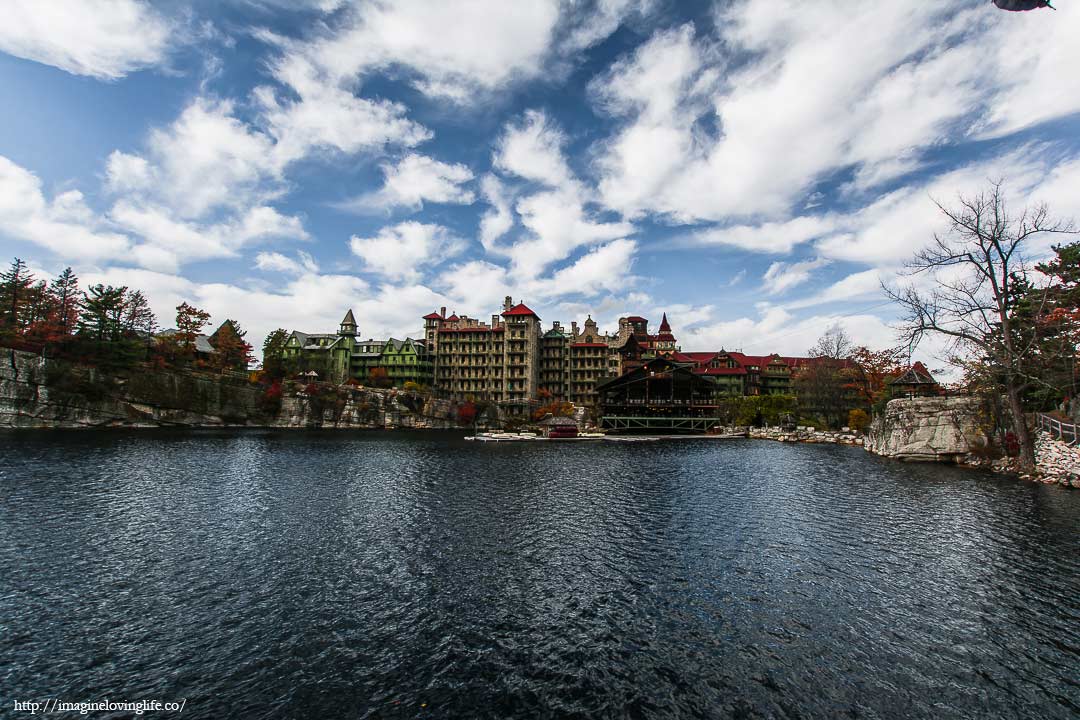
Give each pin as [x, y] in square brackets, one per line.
[753, 168]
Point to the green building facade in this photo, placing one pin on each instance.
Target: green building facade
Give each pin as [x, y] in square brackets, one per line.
[340, 357]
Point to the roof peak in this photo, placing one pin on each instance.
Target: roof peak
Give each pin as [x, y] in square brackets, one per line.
[520, 309]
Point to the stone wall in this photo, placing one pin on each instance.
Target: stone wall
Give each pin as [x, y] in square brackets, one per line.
[930, 429]
[38, 393]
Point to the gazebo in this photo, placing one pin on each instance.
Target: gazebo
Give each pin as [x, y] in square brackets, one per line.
[916, 381]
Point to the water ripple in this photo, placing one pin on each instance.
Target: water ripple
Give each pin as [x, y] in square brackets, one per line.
[264, 574]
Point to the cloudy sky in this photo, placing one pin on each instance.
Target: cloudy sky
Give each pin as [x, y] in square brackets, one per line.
[752, 167]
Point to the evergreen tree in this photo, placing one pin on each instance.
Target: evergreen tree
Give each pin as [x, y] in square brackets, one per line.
[65, 295]
[103, 308]
[15, 289]
[274, 364]
[138, 318]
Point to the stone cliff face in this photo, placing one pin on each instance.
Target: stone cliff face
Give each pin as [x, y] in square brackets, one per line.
[929, 429]
[37, 393]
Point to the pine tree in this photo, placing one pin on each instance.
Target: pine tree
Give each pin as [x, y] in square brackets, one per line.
[65, 294]
[274, 365]
[103, 309]
[138, 319]
[15, 289]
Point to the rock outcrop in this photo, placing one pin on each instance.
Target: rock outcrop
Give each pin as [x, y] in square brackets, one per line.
[929, 429]
[39, 393]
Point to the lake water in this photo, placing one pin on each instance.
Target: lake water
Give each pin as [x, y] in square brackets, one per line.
[303, 574]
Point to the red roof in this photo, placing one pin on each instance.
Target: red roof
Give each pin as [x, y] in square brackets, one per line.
[636, 318]
[694, 357]
[433, 316]
[520, 309]
[664, 327]
[719, 371]
[589, 345]
[452, 318]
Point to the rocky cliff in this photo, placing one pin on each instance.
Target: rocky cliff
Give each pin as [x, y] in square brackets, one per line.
[39, 393]
[929, 429]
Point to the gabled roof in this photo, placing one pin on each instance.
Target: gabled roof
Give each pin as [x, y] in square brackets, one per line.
[453, 318]
[520, 309]
[302, 337]
[917, 374]
[202, 342]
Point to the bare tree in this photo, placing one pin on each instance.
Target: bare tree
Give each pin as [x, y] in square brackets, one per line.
[835, 343]
[980, 275]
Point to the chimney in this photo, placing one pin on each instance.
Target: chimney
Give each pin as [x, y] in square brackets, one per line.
[508, 303]
[442, 311]
[573, 327]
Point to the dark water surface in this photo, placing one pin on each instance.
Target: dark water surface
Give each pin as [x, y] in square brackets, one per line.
[295, 574]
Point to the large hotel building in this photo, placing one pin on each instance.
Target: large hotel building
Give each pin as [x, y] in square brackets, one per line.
[512, 359]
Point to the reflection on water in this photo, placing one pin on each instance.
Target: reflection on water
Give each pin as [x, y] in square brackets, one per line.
[293, 574]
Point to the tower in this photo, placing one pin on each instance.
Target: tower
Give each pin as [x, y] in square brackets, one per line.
[348, 325]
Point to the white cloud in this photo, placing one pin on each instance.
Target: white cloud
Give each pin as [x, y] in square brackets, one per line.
[558, 224]
[274, 261]
[744, 124]
[127, 173]
[781, 277]
[776, 330]
[106, 39]
[65, 225]
[415, 179]
[605, 268]
[400, 251]
[169, 242]
[861, 284]
[1028, 55]
[329, 116]
[497, 220]
[454, 48]
[769, 237]
[533, 149]
[208, 159]
[893, 227]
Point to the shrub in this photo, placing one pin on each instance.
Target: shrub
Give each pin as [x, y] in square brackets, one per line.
[270, 402]
[466, 413]
[858, 420]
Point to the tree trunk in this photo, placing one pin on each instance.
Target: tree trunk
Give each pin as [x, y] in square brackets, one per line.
[1023, 437]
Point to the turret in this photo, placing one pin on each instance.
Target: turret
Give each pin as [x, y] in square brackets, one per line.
[348, 325]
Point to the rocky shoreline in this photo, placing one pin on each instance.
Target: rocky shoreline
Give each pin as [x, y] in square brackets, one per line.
[803, 434]
[1056, 463]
